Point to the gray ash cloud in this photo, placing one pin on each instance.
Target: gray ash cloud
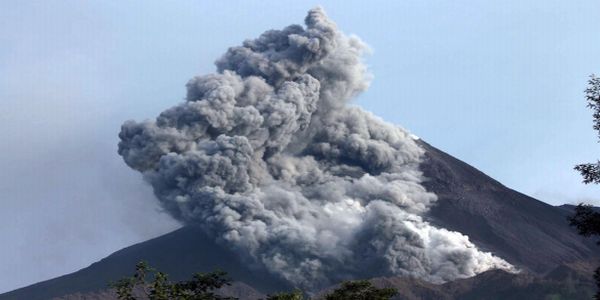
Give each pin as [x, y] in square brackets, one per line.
[270, 159]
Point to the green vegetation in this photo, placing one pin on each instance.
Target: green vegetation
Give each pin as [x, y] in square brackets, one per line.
[204, 287]
[349, 290]
[591, 171]
[360, 290]
[295, 295]
[201, 287]
[586, 220]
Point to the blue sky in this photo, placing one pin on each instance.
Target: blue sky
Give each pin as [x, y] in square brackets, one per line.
[498, 84]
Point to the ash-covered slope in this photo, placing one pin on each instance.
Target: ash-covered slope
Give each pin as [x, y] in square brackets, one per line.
[526, 232]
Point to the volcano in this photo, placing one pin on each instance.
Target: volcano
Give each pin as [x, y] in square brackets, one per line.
[282, 183]
[528, 233]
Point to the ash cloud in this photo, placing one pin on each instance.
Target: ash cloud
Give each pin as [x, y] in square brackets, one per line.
[269, 158]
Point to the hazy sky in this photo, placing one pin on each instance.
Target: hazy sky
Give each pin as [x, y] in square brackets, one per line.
[498, 84]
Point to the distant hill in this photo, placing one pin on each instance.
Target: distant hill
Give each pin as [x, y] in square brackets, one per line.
[528, 233]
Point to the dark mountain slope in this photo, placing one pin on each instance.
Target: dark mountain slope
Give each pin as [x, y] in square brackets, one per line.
[564, 282]
[179, 253]
[500, 285]
[518, 228]
[526, 232]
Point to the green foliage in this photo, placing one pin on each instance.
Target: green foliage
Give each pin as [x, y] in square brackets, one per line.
[201, 287]
[591, 171]
[349, 290]
[586, 220]
[592, 96]
[360, 290]
[160, 287]
[124, 287]
[295, 295]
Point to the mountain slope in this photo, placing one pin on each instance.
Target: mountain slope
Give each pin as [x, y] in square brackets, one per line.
[180, 254]
[572, 284]
[528, 233]
[524, 231]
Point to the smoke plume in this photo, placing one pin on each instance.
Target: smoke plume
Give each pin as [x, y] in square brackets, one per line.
[269, 158]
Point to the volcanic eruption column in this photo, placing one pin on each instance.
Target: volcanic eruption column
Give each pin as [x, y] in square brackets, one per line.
[268, 157]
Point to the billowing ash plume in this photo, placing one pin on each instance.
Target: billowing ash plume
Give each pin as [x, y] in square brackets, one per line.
[267, 156]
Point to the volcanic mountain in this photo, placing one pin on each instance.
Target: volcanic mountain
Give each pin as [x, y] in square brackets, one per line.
[528, 233]
[282, 183]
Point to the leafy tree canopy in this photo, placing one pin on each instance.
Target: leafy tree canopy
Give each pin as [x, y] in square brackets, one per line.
[203, 287]
[585, 219]
[361, 290]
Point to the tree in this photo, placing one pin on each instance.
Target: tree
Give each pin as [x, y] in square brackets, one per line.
[591, 171]
[585, 219]
[200, 287]
[361, 290]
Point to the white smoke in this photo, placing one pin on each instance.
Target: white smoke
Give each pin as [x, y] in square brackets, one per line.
[267, 156]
